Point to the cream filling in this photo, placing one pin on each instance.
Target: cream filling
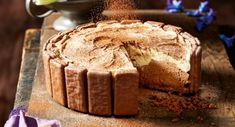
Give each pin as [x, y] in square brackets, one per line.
[141, 57]
[181, 64]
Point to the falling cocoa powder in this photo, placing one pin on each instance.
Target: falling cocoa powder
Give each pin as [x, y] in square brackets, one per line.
[121, 10]
[96, 12]
[121, 5]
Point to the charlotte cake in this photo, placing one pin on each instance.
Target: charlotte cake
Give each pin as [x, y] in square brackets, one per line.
[97, 68]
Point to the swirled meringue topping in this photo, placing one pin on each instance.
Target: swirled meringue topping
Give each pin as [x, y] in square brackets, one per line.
[112, 45]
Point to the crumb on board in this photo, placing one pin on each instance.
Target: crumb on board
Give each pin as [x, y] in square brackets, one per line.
[178, 104]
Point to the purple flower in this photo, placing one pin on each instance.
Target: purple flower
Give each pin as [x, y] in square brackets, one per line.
[174, 6]
[203, 7]
[194, 13]
[17, 118]
[228, 41]
[229, 44]
[203, 21]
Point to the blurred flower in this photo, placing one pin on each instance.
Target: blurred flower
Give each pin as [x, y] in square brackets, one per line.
[203, 21]
[203, 8]
[194, 13]
[228, 41]
[229, 44]
[17, 118]
[174, 6]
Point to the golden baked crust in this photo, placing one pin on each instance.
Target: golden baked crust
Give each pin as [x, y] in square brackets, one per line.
[166, 57]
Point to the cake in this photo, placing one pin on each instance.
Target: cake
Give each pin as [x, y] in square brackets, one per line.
[98, 68]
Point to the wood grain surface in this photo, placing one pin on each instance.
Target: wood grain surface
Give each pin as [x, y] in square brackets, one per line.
[28, 67]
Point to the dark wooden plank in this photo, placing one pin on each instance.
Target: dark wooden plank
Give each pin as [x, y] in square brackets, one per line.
[218, 79]
[28, 67]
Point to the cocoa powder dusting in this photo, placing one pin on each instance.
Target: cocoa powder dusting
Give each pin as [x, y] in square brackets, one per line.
[121, 5]
[177, 104]
[121, 9]
[96, 12]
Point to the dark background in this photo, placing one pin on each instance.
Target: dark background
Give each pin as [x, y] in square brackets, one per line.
[14, 21]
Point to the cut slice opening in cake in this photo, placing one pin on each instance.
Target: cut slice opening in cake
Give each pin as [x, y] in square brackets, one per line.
[159, 70]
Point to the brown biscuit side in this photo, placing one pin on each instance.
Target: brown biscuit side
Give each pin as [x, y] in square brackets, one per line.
[46, 59]
[126, 86]
[99, 92]
[198, 55]
[195, 71]
[191, 73]
[58, 81]
[76, 88]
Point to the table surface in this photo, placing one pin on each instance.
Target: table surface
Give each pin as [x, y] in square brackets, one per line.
[218, 80]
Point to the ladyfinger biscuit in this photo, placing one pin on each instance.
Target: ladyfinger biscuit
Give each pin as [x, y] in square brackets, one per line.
[126, 86]
[58, 81]
[76, 88]
[99, 92]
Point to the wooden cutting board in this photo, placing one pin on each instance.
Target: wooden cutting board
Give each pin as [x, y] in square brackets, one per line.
[218, 81]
